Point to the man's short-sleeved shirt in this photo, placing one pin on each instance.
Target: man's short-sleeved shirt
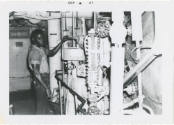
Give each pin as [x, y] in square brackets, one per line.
[38, 56]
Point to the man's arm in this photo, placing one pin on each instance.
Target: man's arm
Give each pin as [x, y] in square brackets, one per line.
[37, 77]
[52, 52]
[36, 74]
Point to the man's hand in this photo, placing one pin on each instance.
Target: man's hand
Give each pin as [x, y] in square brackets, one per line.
[65, 38]
[48, 91]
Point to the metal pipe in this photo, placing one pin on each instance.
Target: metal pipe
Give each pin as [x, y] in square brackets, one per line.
[77, 20]
[83, 27]
[54, 36]
[95, 20]
[75, 104]
[65, 23]
[74, 93]
[141, 66]
[60, 96]
[72, 28]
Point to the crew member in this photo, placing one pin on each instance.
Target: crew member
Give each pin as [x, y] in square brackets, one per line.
[39, 68]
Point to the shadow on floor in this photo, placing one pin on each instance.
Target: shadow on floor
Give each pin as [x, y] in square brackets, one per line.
[23, 102]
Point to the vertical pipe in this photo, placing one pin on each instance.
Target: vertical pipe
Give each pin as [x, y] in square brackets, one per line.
[75, 109]
[117, 33]
[72, 28]
[137, 36]
[95, 20]
[83, 27]
[65, 23]
[54, 38]
[77, 20]
[60, 97]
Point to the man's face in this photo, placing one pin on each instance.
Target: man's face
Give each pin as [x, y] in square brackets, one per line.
[40, 40]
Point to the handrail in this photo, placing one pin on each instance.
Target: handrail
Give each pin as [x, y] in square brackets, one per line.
[83, 101]
[140, 67]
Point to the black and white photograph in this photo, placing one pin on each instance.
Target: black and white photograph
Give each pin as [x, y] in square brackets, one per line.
[60, 62]
[86, 62]
[142, 66]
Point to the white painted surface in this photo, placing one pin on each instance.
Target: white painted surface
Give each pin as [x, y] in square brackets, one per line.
[118, 33]
[55, 61]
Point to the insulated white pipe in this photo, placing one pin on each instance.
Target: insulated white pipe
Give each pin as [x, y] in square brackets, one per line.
[95, 20]
[83, 27]
[54, 35]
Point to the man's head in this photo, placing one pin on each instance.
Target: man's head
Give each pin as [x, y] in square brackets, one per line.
[37, 38]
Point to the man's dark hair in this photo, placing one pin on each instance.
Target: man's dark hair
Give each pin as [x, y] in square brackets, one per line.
[34, 35]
